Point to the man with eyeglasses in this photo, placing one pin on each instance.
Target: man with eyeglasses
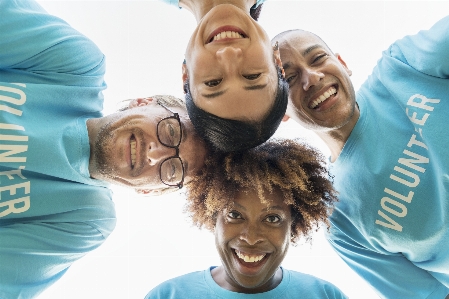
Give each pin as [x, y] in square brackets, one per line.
[146, 146]
[58, 152]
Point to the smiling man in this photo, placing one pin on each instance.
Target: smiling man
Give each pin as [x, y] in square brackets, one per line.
[388, 155]
[151, 146]
[58, 153]
[257, 203]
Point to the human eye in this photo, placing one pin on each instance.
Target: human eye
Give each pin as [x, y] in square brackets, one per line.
[319, 57]
[272, 219]
[213, 83]
[170, 170]
[170, 133]
[234, 215]
[289, 79]
[252, 76]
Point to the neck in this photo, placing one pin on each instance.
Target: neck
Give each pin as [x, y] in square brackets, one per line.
[200, 8]
[336, 139]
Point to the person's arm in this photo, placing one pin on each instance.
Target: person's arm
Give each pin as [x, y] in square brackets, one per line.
[40, 48]
[391, 275]
[426, 51]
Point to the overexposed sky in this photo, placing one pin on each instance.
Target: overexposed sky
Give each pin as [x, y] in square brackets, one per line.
[144, 43]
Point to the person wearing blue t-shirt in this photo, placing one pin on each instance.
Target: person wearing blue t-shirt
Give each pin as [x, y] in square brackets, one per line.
[388, 155]
[256, 203]
[58, 152]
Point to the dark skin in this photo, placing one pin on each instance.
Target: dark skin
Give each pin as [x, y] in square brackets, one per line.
[252, 229]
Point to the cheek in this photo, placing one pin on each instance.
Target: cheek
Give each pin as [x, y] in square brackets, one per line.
[283, 241]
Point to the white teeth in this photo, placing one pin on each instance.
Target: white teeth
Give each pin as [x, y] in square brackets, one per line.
[249, 259]
[323, 97]
[133, 152]
[227, 34]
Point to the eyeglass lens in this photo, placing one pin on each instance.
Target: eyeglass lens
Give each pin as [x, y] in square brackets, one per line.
[169, 132]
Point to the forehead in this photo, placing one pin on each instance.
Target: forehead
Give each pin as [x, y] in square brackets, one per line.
[300, 41]
[249, 199]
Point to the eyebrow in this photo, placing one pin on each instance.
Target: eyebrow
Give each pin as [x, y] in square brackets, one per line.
[273, 208]
[214, 95]
[237, 205]
[183, 139]
[219, 93]
[255, 87]
[310, 49]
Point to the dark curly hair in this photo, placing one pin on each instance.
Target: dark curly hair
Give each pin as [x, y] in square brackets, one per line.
[294, 168]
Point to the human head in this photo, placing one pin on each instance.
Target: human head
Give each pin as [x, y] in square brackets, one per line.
[234, 94]
[281, 173]
[114, 137]
[322, 96]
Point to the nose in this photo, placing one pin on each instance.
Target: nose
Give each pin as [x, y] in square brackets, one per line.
[310, 77]
[230, 58]
[251, 234]
[158, 152]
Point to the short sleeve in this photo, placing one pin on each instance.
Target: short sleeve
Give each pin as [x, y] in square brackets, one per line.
[427, 51]
[392, 276]
[40, 48]
[34, 255]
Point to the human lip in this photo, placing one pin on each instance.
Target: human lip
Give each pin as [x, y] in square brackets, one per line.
[323, 97]
[136, 144]
[226, 33]
[250, 262]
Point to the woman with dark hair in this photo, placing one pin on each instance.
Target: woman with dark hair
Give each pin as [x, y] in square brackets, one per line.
[235, 89]
[256, 203]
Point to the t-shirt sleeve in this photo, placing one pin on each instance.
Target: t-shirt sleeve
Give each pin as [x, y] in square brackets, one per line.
[172, 2]
[427, 51]
[37, 47]
[391, 275]
[35, 254]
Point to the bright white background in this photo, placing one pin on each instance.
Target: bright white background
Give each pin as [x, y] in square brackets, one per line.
[144, 42]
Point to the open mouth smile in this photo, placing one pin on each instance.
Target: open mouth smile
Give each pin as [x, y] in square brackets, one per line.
[250, 260]
[326, 95]
[226, 33]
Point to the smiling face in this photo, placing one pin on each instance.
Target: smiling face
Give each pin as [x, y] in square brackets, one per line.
[230, 65]
[321, 93]
[252, 239]
[125, 149]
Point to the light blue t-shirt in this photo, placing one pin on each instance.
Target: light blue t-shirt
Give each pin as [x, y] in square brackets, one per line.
[392, 222]
[200, 284]
[51, 212]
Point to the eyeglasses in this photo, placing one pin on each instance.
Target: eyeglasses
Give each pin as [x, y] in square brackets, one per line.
[169, 133]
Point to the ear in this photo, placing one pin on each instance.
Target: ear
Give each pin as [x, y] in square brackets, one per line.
[140, 102]
[185, 77]
[277, 58]
[285, 118]
[340, 59]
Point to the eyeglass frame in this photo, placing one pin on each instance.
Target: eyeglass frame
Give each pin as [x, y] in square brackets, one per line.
[176, 147]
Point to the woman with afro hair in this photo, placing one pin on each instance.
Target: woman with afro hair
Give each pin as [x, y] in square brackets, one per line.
[257, 203]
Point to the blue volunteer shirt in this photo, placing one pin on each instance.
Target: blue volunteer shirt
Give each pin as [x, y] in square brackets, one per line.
[200, 284]
[392, 222]
[51, 212]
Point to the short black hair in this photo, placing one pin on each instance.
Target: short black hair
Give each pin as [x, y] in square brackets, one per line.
[228, 135]
[254, 12]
